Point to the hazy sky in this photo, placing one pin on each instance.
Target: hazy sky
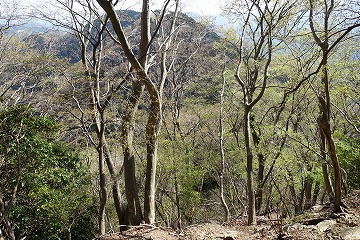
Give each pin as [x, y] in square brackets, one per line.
[203, 7]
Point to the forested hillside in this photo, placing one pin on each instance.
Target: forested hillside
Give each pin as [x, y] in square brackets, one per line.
[114, 118]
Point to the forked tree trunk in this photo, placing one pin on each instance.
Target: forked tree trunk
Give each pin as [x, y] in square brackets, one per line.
[154, 119]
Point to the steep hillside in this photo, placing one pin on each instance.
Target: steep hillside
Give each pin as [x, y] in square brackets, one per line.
[315, 224]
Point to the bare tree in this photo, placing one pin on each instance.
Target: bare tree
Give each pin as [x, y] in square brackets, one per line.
[323, 35]
[91, 30]
[140, 66]
[260, 21]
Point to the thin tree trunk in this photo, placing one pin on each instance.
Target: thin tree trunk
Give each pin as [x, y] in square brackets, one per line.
[302, 197]
[327, 182]
[177, 199]
[344, 180]
[315, 193]
[324, 124]
[4, 222]
[116, 193]
[103, 189]
[297, 200]
[222, 153]
[261, 168]
[324, 166]
[307, 189]
[325, 128]
[249, 168]
[260, 183]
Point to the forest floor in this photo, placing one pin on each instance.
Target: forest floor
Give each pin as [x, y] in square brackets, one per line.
[319, 223]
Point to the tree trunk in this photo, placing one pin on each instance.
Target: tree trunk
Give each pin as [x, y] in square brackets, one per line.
[127, 132]
[222, 153]
[5, 224]
[315, 193]
[261, 168]
[116, 193]
[344, 180]
[324, 124]
[131, 187]
[307, 189]
[102, 194]
[102, 178]
[324, 97]
[153, 124]
[154, 119]
[249, 168]
[327, 182]
[325, 128]
[152, 129]
[296, 198]
[177, 199]
[260, 183]
[327, 179]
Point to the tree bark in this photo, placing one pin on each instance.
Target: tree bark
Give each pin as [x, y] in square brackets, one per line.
[261, 167]
[4, 222]
[307, 189]
[295, 198]
[315, 193]
[260, 183]
[222, 152]
[325, 128]
[116, 192]
[152, 130]
[102, 180]
[324, 166]
[127, 133]
[249, 168]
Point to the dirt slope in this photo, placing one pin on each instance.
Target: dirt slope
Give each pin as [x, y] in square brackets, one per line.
[318, 224]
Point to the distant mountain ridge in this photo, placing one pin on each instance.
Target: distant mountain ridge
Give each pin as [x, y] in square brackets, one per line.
[34, 26]
[219, 20]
